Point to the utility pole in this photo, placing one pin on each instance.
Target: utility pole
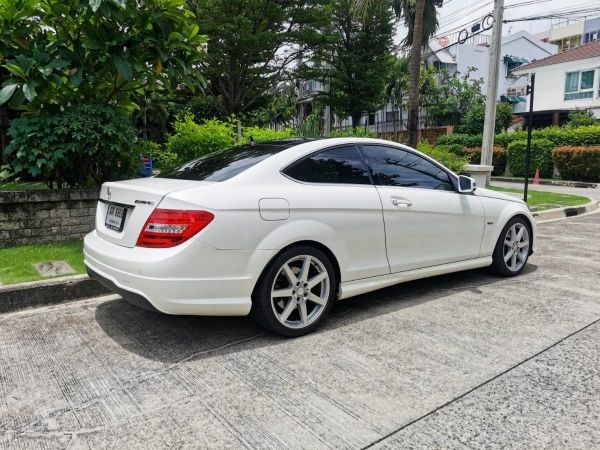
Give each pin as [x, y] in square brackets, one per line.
[489, 125]
[530, 90]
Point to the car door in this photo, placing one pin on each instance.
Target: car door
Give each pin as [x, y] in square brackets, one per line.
[427, 222]
[337, 193]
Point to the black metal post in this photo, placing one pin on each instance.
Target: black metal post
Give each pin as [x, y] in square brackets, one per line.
[530, 90]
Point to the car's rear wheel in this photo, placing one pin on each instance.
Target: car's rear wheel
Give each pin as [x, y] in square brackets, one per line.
[296, 292]
[513, 247]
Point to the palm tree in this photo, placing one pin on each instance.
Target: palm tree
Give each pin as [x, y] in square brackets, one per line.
[420, 17]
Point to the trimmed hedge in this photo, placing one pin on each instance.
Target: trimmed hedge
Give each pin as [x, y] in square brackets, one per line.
[578, 163]
[498, 158]
[465, 140]
[580, 136]
[541, 157]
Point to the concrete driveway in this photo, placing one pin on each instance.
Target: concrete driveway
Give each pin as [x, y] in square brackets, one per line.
[460, 361]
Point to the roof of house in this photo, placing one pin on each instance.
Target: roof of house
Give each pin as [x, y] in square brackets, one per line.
[590, 50]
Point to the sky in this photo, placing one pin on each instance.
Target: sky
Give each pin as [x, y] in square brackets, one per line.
[456, 13]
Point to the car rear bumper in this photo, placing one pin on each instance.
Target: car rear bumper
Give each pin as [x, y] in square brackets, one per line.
[191, 279]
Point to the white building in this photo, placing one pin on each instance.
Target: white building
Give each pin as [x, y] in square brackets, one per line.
[564, 82]
[516, 49]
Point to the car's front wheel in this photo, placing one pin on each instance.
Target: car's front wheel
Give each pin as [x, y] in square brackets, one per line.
[513, 247]
[296, 292]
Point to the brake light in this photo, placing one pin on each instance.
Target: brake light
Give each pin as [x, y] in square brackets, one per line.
[170, 227]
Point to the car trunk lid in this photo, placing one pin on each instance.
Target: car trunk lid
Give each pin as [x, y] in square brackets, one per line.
[125, 206]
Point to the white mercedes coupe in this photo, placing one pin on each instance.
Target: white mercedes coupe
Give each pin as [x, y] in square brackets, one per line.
[282, 229]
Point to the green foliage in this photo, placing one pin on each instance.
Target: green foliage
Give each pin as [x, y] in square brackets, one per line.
[55, 53]
[541, 157]
[498, 158]
[190, 140]
[406, 9]
[354, 132]
[36, 149]
[585, 135]
[253, 45]
[465, 140]
[451, 97]
[473, 121]
[85, 145]
[580, 118]
[578, 163]
[356, 59]
[504, 116]
[161, 158]
[265, 134]
[450, 160]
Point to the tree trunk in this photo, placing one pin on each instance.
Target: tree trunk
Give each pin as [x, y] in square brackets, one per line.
[415, 73]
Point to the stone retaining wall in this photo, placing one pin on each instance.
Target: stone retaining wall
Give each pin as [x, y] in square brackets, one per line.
[31, 217]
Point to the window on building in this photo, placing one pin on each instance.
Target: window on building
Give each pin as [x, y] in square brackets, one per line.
[579, 85]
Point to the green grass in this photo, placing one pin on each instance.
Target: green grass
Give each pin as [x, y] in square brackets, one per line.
[541, 200]
[16, 263]
[23, 186]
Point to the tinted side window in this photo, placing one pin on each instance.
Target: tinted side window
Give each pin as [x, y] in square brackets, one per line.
[396, 167]
[336, 165]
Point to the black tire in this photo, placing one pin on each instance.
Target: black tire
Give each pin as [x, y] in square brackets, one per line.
[499, 266]
[264, 311]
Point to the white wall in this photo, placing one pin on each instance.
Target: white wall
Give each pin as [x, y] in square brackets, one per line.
[550, 86]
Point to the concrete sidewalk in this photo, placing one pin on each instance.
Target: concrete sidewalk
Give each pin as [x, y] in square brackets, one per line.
[467, 360]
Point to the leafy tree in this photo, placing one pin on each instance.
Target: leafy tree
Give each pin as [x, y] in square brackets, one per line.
[452, 97]
[356, 60]
[81, 50]
[474, 119]
[253, 45]
[580, 118]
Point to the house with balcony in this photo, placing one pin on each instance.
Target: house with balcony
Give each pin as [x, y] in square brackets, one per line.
[563, 82]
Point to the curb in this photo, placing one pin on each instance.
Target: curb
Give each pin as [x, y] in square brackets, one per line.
[48, 292]
[579, 184]
[567, 211]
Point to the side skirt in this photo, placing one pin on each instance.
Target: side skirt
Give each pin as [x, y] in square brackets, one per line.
[357, 287]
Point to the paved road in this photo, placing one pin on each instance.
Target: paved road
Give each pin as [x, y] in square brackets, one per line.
[593, 193]
[461, 361]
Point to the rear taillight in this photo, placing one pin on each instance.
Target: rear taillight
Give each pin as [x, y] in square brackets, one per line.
[170, 227]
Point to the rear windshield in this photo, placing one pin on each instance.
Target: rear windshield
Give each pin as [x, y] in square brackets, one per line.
[228, 163]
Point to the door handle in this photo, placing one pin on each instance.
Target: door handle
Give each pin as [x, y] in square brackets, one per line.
[401, 203]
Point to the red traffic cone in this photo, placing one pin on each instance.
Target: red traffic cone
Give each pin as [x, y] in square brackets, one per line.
[536, 178]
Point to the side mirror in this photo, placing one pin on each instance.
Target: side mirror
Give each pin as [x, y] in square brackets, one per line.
[466, 185]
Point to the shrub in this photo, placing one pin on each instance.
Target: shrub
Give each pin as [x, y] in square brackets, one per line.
[161, 158]
[541, 157]
[457, 149]
[84, 145]
[191, 140]
[498, 158]
[265, 134]
[578, 163]
[448, 159]
[466, 140]
[356, 132]
[581, 117]
[35, 149]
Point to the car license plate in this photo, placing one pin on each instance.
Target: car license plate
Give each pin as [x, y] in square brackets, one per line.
[115, 217]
